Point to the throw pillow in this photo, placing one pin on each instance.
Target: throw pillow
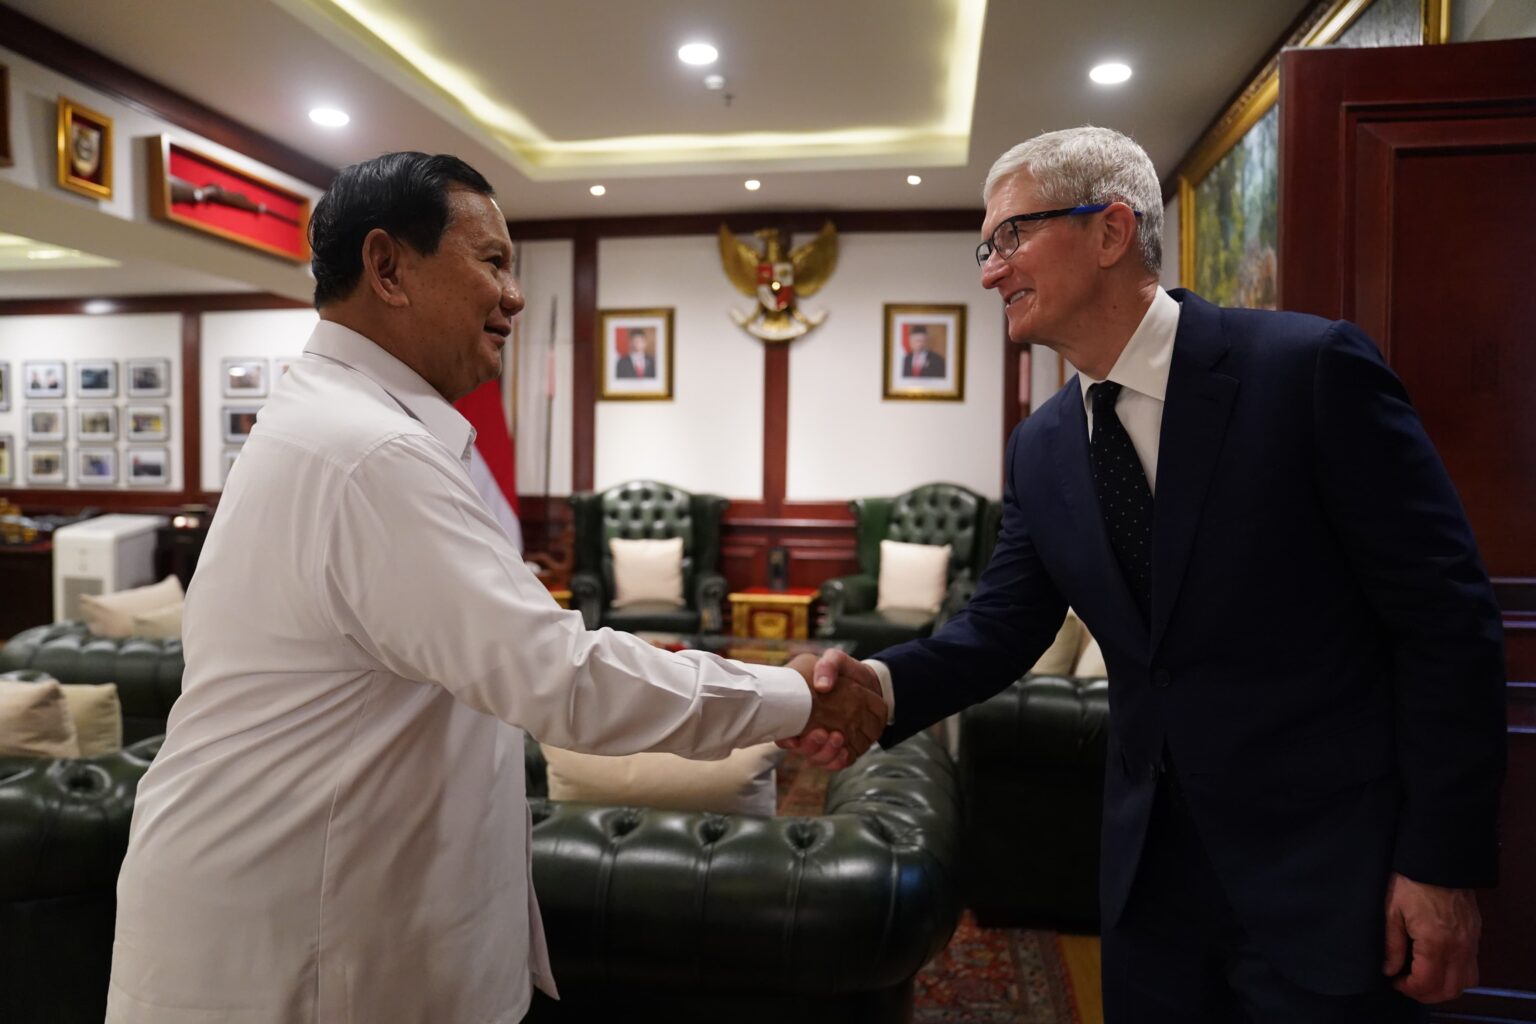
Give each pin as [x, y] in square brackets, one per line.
[741, 783]
[647, 571]
[35, 722]
[112, 614]
[912, 576]
[160, 624]
[1090, 664]
[1059, 658]
[98, 716]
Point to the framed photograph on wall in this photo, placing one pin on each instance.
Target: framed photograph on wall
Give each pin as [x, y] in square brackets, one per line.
[44, 379]
[245, 378]
[634, 354]
[924, 352]
[230, 455]
[149, 378]
[5, 387]
[45, 465]
[85, 150]
[199, 191]
[149, 467]
[96, 378]
[45, 424]
[7, 459]
[149, 423]
[96, 423]
[239, 421]
[96, 466]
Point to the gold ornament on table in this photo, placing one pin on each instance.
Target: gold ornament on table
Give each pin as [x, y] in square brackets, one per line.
[776, 282]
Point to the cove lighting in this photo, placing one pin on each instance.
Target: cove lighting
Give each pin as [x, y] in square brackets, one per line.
[1110, 74]
[329, 117]
[751, 184]
[697, 53]
[598, 190]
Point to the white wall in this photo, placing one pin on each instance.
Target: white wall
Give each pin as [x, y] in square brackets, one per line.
[710, 436]
[845, 440]
[263, 334]
[1479, 20]
[545, 272]
[71, 339]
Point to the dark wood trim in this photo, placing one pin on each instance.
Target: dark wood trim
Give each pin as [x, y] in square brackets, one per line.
[1516, 595]
[37, 501]
[584, 363]
[191, 401]
[38, 42]
[775, 425]
[210, 303]
[745, 221]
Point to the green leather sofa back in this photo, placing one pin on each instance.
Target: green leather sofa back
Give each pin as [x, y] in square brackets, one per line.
[930, 514]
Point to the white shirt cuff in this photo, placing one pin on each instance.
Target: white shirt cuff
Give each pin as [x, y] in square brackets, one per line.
[886, 690]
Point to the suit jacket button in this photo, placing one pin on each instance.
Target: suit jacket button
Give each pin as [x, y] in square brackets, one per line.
[1161, 678]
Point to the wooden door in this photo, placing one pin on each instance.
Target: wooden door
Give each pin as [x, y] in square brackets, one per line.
[1408, 205]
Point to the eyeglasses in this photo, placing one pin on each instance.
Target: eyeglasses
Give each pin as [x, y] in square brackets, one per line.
[1005, 237]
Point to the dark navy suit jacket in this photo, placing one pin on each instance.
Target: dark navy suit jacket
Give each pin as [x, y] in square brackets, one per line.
[1323, 667]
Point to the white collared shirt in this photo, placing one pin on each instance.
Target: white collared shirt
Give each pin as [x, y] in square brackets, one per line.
[335, 829]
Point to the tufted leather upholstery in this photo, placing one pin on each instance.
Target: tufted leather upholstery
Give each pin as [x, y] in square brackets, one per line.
[1032, 771]
[930, 514]
[646, 509]
[63, 833]
[147, 672]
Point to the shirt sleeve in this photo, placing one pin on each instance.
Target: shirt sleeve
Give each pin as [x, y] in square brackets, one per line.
[883, 673]
[419, 576]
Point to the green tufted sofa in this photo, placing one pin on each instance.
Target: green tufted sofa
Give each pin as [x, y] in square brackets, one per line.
[147, 672]
[930, 514]
[646, 509]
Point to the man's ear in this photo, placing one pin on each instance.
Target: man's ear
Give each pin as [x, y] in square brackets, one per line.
[383, 263]
[1119, 234]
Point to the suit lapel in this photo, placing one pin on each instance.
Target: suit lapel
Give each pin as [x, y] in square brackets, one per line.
[1197, 406]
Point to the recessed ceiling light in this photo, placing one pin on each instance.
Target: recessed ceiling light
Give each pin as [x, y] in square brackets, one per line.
[914, 179]
[1110, 74]
[752, 184]
[597, 190]
[329, 117]
[697, 53]
[714, 83]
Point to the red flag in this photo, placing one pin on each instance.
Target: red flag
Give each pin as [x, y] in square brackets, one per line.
[493, 445]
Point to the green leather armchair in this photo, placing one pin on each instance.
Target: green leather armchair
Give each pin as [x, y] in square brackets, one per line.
[930, 514]
[646, 509]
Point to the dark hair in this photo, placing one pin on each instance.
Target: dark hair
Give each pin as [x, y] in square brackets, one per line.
[405, 194]
[918, 329]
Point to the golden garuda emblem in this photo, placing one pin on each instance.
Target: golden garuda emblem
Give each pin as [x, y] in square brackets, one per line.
[777, 282]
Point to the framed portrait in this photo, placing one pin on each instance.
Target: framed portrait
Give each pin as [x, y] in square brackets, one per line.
[149, 378]
[5, 387]
[924, 352]
[634, 354]
[230, 455]
[96, 466]
[245, 378]
[85, 150]
[45, 465]
[96, 378]
[239, 421]
[46, 423]
[149, 423]
[44, 379]
[149, 467]
[7, 458]
[199, 191]
[96, 423]
[1228, 184]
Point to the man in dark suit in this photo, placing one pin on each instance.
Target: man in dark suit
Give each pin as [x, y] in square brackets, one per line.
[921, 361]
[639, 363]
[1305, 658]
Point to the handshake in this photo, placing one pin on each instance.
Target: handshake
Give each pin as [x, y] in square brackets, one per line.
[848, 710]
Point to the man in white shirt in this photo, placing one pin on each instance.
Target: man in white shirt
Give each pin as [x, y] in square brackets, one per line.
[335, 828]
[1305, 663]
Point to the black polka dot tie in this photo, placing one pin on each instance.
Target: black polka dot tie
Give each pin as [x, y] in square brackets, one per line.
[1124, 497]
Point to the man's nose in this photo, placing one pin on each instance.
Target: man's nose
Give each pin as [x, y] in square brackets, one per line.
[512, 297]
[992, 271]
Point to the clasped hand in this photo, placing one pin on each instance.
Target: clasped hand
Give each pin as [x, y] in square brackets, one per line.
[848, 711]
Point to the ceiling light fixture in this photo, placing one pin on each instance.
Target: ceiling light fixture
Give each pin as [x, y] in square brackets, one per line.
[329, 117]
[47, 254]
[751, 184]
[714, 83]
[697, 53]
[914, 179]
[598, 190]
[1110, 74]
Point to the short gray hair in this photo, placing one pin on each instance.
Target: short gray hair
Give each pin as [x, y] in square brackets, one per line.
[1079, 166]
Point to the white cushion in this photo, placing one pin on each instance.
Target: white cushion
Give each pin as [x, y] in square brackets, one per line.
[912, 576]
[1090, 664]
[98, 716]
[647, 571]
[741, 783]
[112, 614]
[35, 722]
[1062, 655]
[159, 624]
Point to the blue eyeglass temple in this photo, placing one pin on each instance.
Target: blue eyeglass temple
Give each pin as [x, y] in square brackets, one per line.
[985, 249]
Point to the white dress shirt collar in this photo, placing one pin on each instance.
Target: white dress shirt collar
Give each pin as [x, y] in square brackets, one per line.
[1144, 362]
[349, 348]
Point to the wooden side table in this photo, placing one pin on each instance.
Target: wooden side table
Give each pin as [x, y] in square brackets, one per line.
[773, 614]
[562, 597]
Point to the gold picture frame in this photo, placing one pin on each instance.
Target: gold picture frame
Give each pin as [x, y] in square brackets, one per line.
[924, 353]
[1246, 274]
[634, 354]
[85, 150]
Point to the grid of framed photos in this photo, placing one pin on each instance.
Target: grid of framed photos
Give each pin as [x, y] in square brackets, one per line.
[246, 381]
[86, 421]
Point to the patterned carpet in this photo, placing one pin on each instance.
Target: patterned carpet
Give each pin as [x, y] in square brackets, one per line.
[984, 975]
